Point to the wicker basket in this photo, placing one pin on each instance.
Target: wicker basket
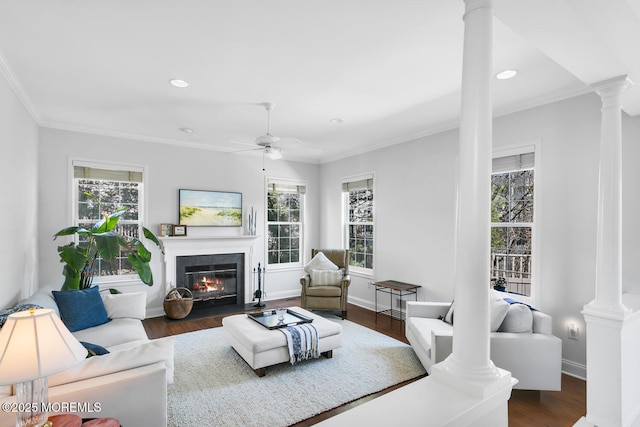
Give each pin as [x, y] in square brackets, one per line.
[178, 303]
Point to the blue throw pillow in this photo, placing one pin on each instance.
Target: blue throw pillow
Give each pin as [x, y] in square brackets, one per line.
[81, 309]
[94, 349]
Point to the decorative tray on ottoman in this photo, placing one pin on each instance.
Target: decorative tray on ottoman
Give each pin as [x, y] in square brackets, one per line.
[269, 319]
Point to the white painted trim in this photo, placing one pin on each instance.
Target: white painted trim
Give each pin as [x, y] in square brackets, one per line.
[303, 239]
[530, 146]
[361, 302]
[574, 369]
[356, 271]
[184, 246]
[12, 80]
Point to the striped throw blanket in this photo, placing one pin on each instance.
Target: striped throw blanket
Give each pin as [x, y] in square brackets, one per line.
[303, 342]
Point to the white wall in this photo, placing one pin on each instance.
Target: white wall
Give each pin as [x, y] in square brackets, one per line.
[631, 204]
[18, 185]
[169, 169]
[415, 209]
[414, 200]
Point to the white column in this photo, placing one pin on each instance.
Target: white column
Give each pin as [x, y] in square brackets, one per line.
[470, 364]
[610, 384]
[609, 238]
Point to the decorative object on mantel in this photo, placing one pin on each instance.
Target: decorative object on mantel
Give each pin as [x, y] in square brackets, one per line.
[252, 222]
[102, 241]
[178, 303]
[259, 273]
[179, 230]
[166, 230]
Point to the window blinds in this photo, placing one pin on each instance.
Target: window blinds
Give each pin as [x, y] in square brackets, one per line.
[363, 184]
[87, 172]
[279, 187]
[514, 162]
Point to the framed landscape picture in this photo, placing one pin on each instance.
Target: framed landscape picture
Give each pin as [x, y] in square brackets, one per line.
[210, 208]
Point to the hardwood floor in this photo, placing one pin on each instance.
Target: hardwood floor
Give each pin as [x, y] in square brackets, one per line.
[526, 408]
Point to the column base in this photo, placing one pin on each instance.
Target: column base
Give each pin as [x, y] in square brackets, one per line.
[481, 382]
[605, 310]
[613, 380]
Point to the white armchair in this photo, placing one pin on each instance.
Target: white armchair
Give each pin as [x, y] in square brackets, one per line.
[534, 358]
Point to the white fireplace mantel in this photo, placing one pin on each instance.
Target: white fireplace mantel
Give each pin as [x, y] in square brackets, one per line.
[205, 245]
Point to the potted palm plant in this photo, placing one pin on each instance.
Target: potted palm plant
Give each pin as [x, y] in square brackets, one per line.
[102, 241]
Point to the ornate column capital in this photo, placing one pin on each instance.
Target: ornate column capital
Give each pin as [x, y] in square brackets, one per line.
[611, 89]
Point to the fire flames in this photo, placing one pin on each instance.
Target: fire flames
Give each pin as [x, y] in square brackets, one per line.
[206, 284]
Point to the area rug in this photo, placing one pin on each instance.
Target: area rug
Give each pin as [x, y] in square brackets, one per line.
[215, 387]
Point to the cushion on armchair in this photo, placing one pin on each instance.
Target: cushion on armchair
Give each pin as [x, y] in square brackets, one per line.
[499, 309]
[320, 262]
[326, 277]
[518, 319]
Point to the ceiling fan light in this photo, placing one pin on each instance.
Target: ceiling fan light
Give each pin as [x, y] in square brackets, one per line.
[274, 153]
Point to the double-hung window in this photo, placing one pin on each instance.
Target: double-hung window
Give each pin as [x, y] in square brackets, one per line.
[285, 215]
[114, 186]
[358, 220]
[512, 221]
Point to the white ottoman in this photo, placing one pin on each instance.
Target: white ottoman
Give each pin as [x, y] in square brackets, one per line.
[261, 347]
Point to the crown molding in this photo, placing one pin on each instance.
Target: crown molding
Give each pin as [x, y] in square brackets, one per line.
[18, 89]
[451, 125]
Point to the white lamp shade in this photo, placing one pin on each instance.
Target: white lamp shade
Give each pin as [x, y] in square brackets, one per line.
[36, 344]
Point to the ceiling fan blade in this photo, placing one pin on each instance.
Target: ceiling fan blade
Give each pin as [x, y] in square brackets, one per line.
[250, 144]
[287, 141]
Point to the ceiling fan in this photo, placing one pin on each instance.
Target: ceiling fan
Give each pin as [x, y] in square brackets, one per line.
[268, 143]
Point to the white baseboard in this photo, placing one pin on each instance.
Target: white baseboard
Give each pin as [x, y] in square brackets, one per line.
[270, 296]
[154, 312]
[361, 303]
[573, 369]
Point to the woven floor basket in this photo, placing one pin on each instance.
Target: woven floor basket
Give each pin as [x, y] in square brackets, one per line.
[178, 303]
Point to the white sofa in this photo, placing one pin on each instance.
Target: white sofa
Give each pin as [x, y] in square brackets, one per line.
[533, 355]
[129, 383]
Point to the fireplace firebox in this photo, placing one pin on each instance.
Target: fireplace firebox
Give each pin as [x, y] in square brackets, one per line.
[215, 278]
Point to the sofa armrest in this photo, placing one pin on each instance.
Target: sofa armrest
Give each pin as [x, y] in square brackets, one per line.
[432, 310]
[124, 357]
[542, 323]
[135, 397]
[441, 345]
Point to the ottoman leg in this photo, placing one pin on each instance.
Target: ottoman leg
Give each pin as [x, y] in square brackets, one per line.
[328, 354]
[261, 372]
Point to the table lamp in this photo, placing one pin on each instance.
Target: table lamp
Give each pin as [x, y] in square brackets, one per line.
[33, 345]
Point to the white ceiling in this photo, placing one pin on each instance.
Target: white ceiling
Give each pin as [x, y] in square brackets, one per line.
[390, 69]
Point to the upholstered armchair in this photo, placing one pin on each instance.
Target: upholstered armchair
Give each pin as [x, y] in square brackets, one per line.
[326, 283]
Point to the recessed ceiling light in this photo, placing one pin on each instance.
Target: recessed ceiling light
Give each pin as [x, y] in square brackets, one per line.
[506, 74]
[336, 120]
[186, 130]
[178, 83]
